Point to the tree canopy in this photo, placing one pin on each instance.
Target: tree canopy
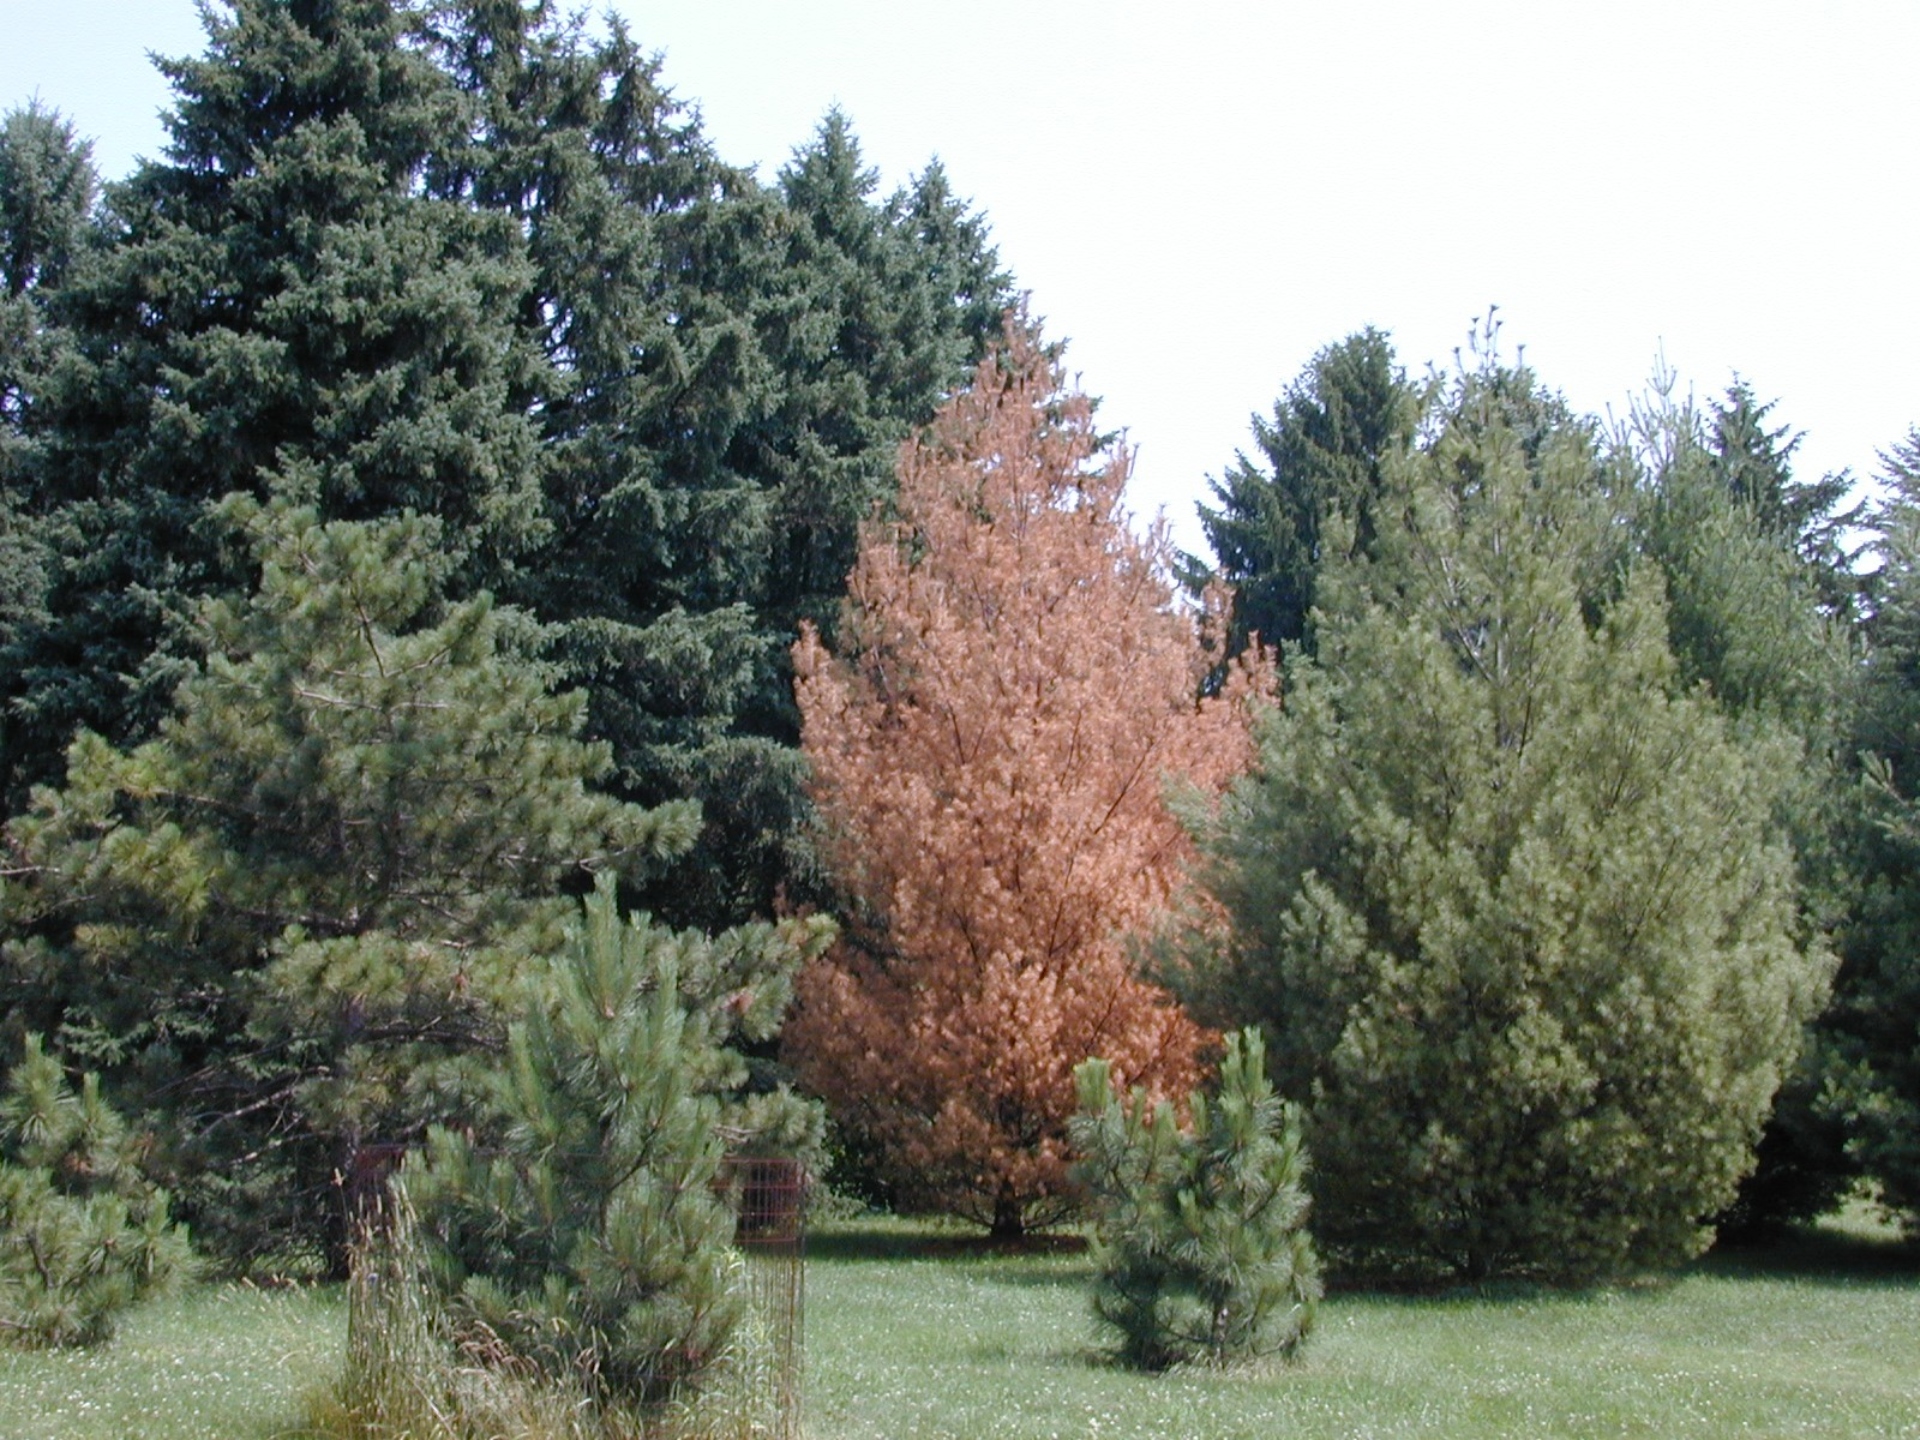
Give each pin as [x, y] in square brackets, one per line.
[413, 481]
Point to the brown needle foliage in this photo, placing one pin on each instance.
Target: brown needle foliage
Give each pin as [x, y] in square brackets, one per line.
[1013, 690]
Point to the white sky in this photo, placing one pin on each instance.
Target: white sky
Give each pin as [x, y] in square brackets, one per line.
[1198, 204]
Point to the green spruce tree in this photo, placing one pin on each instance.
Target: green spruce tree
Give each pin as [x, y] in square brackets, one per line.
[1756, 571]
[866, 312]
[286, 309]
[48, 190]
[731, 369]
[1323, 451]
[647, 255]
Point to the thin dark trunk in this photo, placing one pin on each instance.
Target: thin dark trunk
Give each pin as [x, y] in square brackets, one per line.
[1009, 1216]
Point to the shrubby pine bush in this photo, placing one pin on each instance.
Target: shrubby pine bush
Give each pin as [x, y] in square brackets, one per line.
[413, 1371]
[577, 1229]
[1203, 1252]
[83, 1234]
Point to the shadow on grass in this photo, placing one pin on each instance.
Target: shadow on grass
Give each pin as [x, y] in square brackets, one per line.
[1811, 1255]
[1817, 1254]
[889, 1239]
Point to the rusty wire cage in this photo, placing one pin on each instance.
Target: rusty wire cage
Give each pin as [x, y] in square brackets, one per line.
[768, 1196]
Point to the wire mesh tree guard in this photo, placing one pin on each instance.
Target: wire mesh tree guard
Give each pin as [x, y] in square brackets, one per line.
[768, 1195]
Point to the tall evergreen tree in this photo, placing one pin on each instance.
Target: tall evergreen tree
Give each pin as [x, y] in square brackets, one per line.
[1756, 568]
[290, 923]
[1760, 599]
[1754, 465]
[48, 190]
[282, 312]
[1872, 1034]
[1510, 903]
[646, 254]
[731, 372]
[890, 306]
[871, 314]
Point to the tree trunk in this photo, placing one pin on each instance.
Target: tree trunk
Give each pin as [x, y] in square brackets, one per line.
[1009, 1216]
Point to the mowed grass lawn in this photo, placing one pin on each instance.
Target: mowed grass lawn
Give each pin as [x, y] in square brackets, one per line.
[915, 1332]
[1819, 1339]
[226, 1361]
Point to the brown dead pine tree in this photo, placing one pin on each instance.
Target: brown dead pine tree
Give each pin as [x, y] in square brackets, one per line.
[1013, 688]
